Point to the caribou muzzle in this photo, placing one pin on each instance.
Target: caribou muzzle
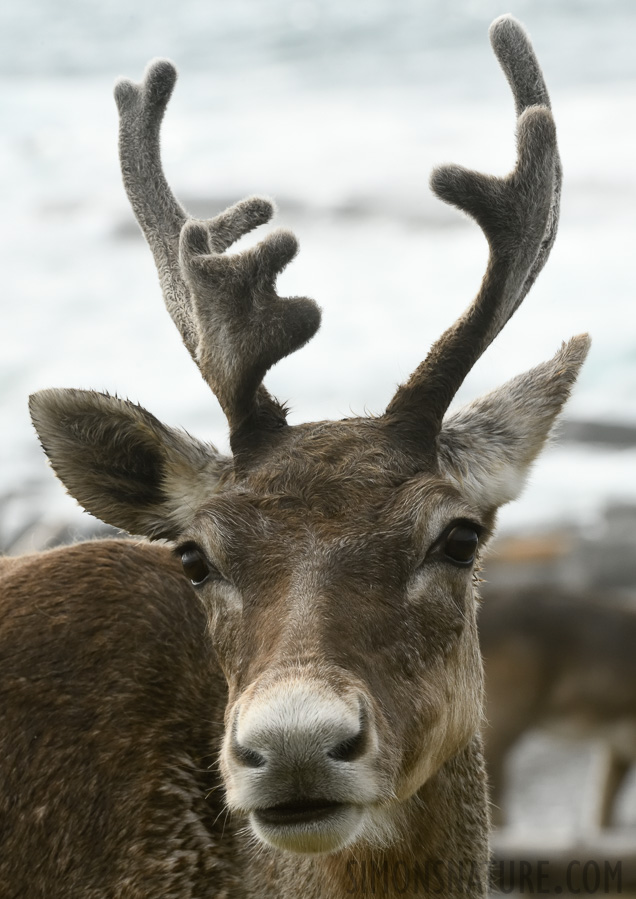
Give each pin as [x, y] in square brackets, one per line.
[301, 760]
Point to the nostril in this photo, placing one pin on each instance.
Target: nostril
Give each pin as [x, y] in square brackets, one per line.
[354, 746]
[243, 754]
[350, 749]
[246, 756]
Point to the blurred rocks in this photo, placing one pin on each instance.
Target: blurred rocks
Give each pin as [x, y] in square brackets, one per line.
[601, 557]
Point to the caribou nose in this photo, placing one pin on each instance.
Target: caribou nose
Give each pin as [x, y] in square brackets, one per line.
[301, 729]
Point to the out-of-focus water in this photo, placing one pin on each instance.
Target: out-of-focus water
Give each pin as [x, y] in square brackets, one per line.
[338, 110]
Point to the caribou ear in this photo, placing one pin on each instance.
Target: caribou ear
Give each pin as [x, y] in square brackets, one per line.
[488, 447]
[122, 464]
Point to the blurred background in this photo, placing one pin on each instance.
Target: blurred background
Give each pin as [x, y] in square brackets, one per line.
[338, 110]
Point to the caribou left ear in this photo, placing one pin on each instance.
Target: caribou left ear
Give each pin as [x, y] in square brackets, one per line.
[122, 464]
[488, 447]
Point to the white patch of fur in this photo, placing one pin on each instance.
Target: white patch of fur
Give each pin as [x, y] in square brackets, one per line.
[304, 711]
[488, 485]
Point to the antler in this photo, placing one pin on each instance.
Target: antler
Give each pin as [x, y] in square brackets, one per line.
[226, 308]
[519, 217]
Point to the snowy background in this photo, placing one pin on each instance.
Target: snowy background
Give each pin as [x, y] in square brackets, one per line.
[338, 110]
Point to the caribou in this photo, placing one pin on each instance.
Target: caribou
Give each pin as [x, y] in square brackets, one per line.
[275, 689]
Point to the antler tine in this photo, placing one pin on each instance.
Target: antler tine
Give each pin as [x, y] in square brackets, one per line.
[160, 215]
[225, 307]
[520, 65]
[519, 216]
[245, 327]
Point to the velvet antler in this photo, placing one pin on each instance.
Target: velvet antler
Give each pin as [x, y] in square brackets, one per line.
[226, 308]
[519, 216]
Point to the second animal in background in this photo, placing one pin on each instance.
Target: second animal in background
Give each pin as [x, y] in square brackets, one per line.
[565, 663]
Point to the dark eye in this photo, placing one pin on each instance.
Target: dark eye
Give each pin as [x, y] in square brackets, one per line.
[195, 565]
[460, 544]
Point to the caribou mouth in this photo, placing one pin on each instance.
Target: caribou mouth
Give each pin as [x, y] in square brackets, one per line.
[307, 826]
[303, 811]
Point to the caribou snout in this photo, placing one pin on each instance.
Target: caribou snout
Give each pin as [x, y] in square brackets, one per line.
[301, 760]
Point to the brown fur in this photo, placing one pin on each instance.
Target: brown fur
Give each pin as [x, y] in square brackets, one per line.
[110, 701]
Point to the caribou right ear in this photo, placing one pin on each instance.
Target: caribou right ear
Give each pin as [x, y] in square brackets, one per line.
[487, 448]
[122, 464]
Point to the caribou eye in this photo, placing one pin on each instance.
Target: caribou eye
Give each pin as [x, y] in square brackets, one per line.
[195, 565]
[460, 544]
